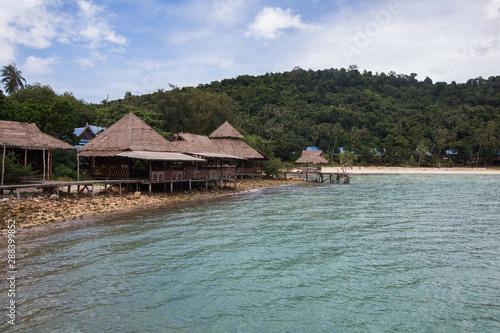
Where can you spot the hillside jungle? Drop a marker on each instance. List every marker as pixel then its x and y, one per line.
pixel 356 117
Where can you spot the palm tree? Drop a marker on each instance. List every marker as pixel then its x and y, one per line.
pixel 12 79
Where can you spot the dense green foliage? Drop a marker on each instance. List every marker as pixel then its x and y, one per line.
pixel 413 122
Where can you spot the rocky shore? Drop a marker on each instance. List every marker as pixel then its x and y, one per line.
pixel 36 210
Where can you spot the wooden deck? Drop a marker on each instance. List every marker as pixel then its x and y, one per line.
pixel 157 177
pixel 317 175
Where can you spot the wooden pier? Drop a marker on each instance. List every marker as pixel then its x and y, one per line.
pixel 183 177
pixel 339 177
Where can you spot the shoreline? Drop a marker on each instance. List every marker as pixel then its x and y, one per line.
pixel 38 211
pixel 414 171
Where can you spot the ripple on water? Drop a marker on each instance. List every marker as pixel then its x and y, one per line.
pixel 386 253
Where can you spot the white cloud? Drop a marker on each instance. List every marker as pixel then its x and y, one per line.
pixel 271 22
pixel 493 10
pixel 35 66
pixel 93 29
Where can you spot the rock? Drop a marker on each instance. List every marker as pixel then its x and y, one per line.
pixel 137 194
pixel 54 197
pixel 4 200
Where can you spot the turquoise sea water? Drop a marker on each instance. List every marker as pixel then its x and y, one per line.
pixel 391 253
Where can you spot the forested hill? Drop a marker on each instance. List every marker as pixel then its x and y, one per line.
pixel 362 111
pixel 409 120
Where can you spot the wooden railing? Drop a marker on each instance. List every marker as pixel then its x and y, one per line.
pixel 162 175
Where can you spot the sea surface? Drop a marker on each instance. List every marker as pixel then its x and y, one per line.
pixel 386 253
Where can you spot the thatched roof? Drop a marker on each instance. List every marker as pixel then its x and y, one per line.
pixel 128 134
pixel 14 134
pixel 194 143
pixel 312 156
pixel 200 145
pixel 238 148
pixel 226 130
pixel 227 139
pixel 159 156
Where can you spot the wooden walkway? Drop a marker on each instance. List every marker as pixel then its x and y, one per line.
pixel 90 185
pixel 320 176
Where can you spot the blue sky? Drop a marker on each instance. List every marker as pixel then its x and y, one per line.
pixel 96 48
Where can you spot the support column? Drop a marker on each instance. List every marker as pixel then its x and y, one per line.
pixel 3 164
pixel 44 167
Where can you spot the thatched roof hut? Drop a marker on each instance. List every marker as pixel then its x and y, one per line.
pixel 200 145
pixel 128 134
pixel 14 134
pixel 194 143
pixel 226 130
pixel 229 140
pixel 32 144
pixel 312 156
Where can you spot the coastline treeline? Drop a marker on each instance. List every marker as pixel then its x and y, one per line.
pixel 394 119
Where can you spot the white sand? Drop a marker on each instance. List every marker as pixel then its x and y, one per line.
pixel 422 170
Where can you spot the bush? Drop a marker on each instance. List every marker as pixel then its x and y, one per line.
pixel 15 171
pixel 273 167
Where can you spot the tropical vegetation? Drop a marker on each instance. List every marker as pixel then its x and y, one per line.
pixel 361 117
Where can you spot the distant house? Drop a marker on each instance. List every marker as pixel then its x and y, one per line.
pixel 230 141
pixel 312 156
pixel 31 145
pixel 87 133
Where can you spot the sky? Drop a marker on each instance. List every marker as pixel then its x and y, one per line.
pixel 96 49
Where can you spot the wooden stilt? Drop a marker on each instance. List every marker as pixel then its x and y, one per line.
pixel 18 194
pixel 43 158
pixel 93 190
pixel 3 164
pixel 189 179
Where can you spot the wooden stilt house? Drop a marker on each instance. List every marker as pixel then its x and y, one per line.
pixel 230 141
pixel 31 145
pixel 314 157
pixel 218 164
pixel 131 149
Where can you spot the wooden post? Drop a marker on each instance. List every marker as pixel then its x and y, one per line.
pixel 69 189
pixel 77 164
pixel 189 179
pixel 25 161
pixel 171 185
pixel 120 184
pixel 49 164
pixel 18 193
pixel 3 163
pixel 93 192
pixel 44 167
pixel 150 178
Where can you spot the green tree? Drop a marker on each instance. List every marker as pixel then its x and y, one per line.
pixel 12 79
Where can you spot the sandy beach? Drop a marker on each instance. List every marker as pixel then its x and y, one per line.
pixel 422 170
pixel 37 209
